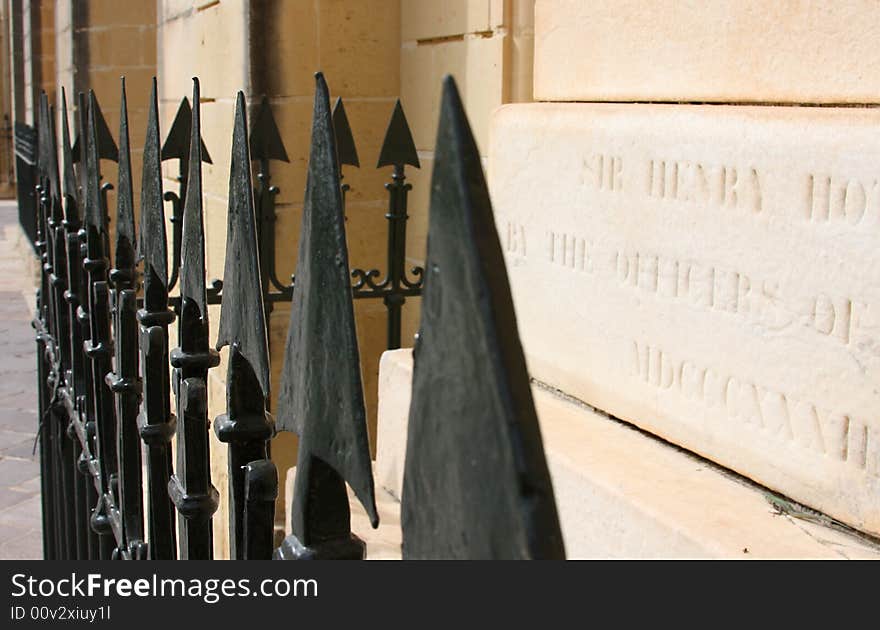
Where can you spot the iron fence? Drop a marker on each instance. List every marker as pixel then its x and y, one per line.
pixel 106 372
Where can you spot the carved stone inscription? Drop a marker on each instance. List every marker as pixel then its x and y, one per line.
pixel 711 274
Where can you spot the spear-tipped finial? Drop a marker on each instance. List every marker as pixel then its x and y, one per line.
pixel 321 395
pixel 242 319
pixel 94 203
pixel 52 155
pixel 125 237
pixel 476 483
pixel 107 149
pixel 177 143
pixel 68 179
pixel 192 265
pixel 265 139
pixel 345 147
pixel 152 247
pixel 398 148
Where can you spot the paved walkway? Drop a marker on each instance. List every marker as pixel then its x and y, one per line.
pixel 20 529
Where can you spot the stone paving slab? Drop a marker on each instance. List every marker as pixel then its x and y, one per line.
pixel 20 508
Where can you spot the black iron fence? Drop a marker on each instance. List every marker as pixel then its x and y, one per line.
pixel 25 141
pixel 107 373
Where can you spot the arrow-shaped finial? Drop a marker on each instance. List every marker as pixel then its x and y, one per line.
pixel 107 149
pixel 242 319
pixel 398 147
pixel 265 139
pixel 52 149
pixel 345 148
pixel 177 143
pixel 68 180
pixel 152 247
pixel 476 483
pixel 125 237
pixel 321 395
pixel 94 203
pixel 192 262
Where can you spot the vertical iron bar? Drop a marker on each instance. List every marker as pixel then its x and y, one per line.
pixel 156 422
pixel 194 496
pixel 260 492
pixel 99 345
pixel 246 426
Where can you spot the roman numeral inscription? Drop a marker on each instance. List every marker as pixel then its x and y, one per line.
pixel 710 274
pixel 773 414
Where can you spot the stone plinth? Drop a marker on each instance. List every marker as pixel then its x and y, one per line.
pixel 724 51
pixel 709 273
pixel 624 494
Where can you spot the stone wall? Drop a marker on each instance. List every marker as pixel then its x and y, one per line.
pixel 706 272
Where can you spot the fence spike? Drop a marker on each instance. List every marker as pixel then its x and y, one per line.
pixel 124 274
pixel 190 488
pixel 321 395
pixel 246 426
pixel 177 142
pixel 398 148
pixel 242 320
pixel 476 483
pixel 192 271
pixel 107 149
pixel 345 147
pixel 68 179
pixel 265 139
pixel 152 247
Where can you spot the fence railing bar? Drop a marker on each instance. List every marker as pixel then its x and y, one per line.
pixel 246 426
pixel 156 423
pixel 99 345
pixel 124 381
pixel 321 396
pixel 194 496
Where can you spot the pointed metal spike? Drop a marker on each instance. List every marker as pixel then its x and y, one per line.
pixel 192 260
pixel 266 143
pixel 242 318
pixel 321 395
pixel 107 149
pixel 176 145
pixel 94 204
pixel 68 180
pixel 152 247
pixel 476 483
pixel 52 153
pixel 125 236
pixel 42 135
pixel 345 147
pixel 398 147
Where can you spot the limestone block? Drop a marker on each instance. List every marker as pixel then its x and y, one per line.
pixel 291 46
pixel 213 41
pixel 624 494
pixel 710 274
pixel 428 19
pixel 728 51
pixel 358 47
pixel 477 64
pixel 115 13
